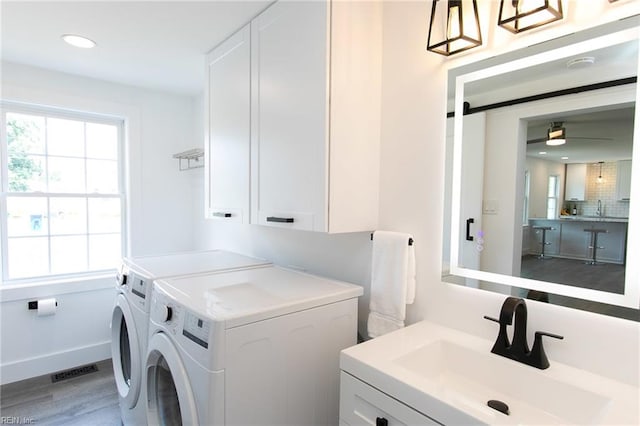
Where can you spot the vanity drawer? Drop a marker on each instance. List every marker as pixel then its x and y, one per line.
pixel 361 404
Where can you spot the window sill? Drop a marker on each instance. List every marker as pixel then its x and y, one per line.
pixel 25 289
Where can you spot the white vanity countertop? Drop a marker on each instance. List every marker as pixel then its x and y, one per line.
pixel 382 363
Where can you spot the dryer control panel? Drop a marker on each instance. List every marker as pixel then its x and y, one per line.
pixel 138 285
pixel 196 329
pixel 139 288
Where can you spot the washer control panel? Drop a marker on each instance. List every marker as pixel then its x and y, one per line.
pixel 138 285
pixel 196 329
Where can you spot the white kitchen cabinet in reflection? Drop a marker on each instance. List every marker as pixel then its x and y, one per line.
pixel 576 182
pixel 623 181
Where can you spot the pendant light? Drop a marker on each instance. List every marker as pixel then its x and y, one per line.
pixel 521 15
pixel 556 134
pixel 454 27
pixel 600 180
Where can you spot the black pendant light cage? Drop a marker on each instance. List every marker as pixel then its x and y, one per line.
pixel 528 19
pixel 458 16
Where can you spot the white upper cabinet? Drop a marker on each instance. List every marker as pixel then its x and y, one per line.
pixel 227 129
pixel 315 115
pixel 576 182
pixel 623 180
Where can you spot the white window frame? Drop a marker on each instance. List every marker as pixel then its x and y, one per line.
pixel 555 196
pixel 53 112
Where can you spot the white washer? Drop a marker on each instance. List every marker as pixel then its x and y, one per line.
pixel 258 346
pixel 130 318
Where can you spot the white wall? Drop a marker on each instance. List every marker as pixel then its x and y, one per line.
pixel 412 176
pixel 79 333
pixel 160 205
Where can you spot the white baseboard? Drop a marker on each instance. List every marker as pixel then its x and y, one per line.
pixel 51 363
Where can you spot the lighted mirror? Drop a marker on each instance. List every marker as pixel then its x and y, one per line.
pixel 541 196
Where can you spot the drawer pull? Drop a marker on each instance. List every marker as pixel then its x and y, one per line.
pixel 381 421
pixel 221 214
pixel 280 219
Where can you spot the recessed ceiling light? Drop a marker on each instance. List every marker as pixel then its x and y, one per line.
pixel 78 41
pixel 542 152
pixel 564 158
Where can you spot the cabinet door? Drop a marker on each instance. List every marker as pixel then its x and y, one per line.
pixel 289 116
pixel 361 404
pixel 227 129
pixel 576 182
pixel 574 243
pixel 623 180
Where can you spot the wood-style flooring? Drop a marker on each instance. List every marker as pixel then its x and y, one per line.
pixel 88 400
pixel 604 277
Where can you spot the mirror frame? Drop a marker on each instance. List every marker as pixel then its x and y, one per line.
pixel 615 33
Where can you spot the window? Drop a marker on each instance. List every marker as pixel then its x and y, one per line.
pixel 552 196
pixel 62 198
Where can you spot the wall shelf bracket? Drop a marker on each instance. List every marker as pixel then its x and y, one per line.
pixel 191 159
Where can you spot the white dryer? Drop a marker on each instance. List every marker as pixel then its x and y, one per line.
pixel 257 346
pixel 130 318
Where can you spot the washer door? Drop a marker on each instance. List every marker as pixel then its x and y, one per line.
pixel 125 352
pixel 170 399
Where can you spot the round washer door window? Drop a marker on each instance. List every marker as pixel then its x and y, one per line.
pixel 166 396
pixel 170 400
pixel 125 352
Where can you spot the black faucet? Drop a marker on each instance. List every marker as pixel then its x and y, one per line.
pixel 518 349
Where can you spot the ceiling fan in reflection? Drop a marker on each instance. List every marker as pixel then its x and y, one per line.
pixel 557 135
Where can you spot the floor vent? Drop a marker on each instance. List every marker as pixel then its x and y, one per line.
pixel 74 372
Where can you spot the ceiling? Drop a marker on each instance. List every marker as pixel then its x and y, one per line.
pixel 605 135
pixel 153 44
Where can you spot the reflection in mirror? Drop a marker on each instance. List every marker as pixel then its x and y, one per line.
pixel 576 200
pixel 540 218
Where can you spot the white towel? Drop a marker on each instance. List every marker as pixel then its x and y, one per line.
pixel 393 282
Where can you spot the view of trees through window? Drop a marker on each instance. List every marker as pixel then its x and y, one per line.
pixel 21 168
pixel 62 203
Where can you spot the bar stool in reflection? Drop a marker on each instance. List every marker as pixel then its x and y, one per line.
pixel 594 244
pixel 544 242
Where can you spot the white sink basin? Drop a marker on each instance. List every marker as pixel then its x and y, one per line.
pixel 470 379
pixel 450 376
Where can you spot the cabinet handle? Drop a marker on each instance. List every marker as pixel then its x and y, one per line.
pixel 280 219
pixel 221 214
pixel 381 421
pixel 469 222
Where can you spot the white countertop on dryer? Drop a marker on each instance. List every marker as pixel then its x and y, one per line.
pixel 189 263
pixel 245 296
